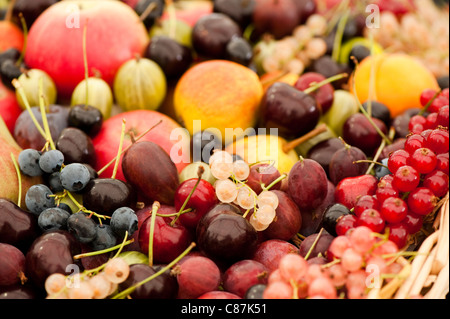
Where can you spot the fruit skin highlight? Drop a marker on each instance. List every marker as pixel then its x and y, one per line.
pixel 399 81
pixel 221 94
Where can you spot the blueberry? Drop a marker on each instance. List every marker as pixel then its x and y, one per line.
pixel 51 161
pixel 53 219
pixel 105 238
pixel 74 177
pixel 124 219
pixel 65 207
pixel 29 162
pixel 38 198
pixel 54 182
pixel 381 171
pixel 82 227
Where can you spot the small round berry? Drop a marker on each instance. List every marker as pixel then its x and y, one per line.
pixel 423 160
pixel 28 161
pixel 398 234
pixel 51 161
pixel 394 210
pixel 398 159
pixel 345 223
pixel 437 182
pixel 422 201
pixel 406 179
pixel 371 218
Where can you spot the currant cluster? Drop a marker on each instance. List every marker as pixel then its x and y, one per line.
pixel 417 176
pixel 231 187
pixel 56 203
pixel 97 283
pixel 357 262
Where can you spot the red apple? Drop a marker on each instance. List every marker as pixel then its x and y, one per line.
pixel 106 142
pixel 11 36
pixel 190 11
pixel 9 108
pixel 114 35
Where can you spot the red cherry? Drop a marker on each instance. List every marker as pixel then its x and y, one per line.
pixel 398 159
pixel 437 182
pixel 345 223
pixel 398 234
pixel 423 160
pixel 406 179
pixel 365 202
pixel 202 200
pixel 350 189
pixel 394 210
pixel 422 201
pixel 371 218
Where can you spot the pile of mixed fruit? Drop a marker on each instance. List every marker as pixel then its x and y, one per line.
pixel 120 178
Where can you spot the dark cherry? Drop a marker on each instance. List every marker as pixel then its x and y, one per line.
pixel 18 291
pixel 332 215
pixel 343 163
pixel 326 66
pixel 359 132
pixel 31 10
pixel 17 226
pixel 226 236
pixel 211 34
pixel 158 9
pixel 76 146
pixel 401 122
pixel 321 245
pixel 173 57
pixel 203 144
pixel 162 287
pixel 105 195
pixel 41 259
pixel 87 118
pixel 10 54
pixel 306 8
pixel 358 52
pixel 293 112
pixel 243 275
pixel 443 82
pixel 240 11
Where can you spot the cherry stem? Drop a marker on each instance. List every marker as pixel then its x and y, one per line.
pixel 279 179
pixel 19 177
pixel 315 86
pixel 172 18
pixel 372 91
pixel 332 263
pixel 25 39
pixel 86 70
pixel 275 79
pixel 175 214
pixel 126 149
pixel 155 207
pixel 314 244
pixel 48 134
pixel 83 209
pixel 129 290
pixel 425 108
pixel 9 12
pixel 370 161
pixel 150 8
pixel 293 144
pixel 200 172
pixel 122 135
pixel 339 35
pixel 107 250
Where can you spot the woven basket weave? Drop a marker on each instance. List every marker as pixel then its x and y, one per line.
pixel 427 276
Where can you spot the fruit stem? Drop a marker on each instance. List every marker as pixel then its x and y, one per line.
pixel 293 144
pixel 172 18
pixel 83 209
pixel 425 108
pixel 200 172
pixel 9 12
pixel 152 6
pixel 21 92
pixel 370 161
pixel 103 251
pixel 126 149
pixel 25 39
pixel 86 70
pixel 19 177
pixel 339 35
pixel 175 214
pixel 279 179
pixel 122 135
pixel 316 86
pixel 314 244
pixel 155 207
pixel 129 290
pixel 331 263
pixel 48 134
pixel 294 288
pixel 372 91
